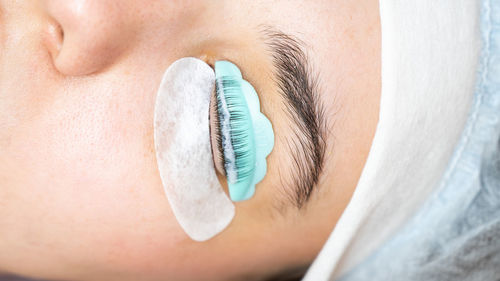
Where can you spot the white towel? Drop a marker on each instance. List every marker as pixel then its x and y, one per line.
pixel 430 51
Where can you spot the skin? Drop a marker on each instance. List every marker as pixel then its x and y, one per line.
pixel 80 193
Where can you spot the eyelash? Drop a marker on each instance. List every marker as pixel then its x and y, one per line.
pixel 231 158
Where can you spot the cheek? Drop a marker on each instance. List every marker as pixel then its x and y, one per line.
pixel 82 177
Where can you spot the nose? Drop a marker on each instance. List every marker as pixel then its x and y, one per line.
pixel 87 36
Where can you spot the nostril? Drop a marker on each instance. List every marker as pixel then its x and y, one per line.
pixel 53 37
pixel 85 37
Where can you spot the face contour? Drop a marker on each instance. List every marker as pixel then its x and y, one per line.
pixel 80 193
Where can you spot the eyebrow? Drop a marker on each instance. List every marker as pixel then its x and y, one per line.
pixel 298 85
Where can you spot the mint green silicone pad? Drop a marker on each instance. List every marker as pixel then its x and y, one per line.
pixel 260 131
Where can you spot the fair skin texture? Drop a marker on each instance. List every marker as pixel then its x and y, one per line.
pixel 80 193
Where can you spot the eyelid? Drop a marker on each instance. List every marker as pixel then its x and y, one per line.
pixel 217 152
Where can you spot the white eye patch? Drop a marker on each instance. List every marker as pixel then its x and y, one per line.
pixel 183 150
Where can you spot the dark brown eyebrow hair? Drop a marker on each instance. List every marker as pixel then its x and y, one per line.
pixel 298 85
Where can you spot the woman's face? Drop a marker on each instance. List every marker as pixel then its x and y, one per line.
pixel 80 193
